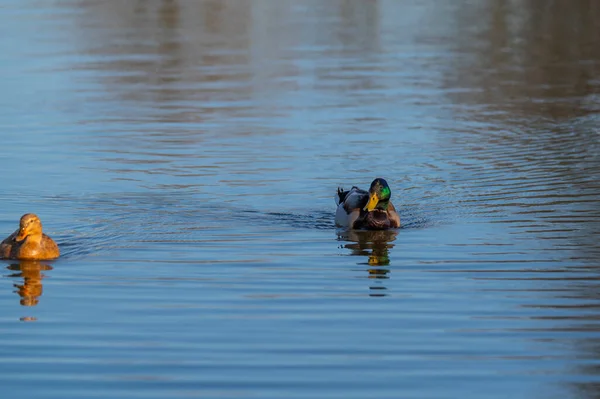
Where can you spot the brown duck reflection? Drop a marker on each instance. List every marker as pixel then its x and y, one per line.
pixel 375 246
pixel 31 272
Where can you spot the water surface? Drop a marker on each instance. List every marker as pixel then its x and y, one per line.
pixel 185 154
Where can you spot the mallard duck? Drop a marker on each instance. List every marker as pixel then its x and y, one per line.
pixel 372 210
pixel 28 242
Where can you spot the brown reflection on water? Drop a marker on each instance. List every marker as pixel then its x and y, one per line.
pixel 31 272
pixel 171 55
pixel 527 84
pixel 375 247
pixel 192 60
pixel 533 57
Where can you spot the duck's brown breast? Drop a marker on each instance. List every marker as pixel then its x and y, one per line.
pixel 377 220
pixel 28 249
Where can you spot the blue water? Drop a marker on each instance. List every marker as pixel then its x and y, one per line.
pixel 185 155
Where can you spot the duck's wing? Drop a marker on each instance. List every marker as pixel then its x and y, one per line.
pixel 11 238
pixel 350 204
pixel 355 198
pixel 49 247
pixel 7 245
pixel 341 195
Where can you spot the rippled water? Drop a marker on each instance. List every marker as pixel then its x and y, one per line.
pixel 185 155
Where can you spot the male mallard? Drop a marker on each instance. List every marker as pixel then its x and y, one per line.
pixel 28 242
pixel 373 210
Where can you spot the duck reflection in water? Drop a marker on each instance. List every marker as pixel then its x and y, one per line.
pixel 31 272
pixel 375 246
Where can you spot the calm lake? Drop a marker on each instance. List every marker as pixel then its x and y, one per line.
pixel 185 154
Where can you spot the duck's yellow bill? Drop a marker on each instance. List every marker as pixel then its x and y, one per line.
pixel 373 200
pixel 21 236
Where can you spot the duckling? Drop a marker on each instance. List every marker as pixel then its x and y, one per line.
pixel 28 242
pixel 371 210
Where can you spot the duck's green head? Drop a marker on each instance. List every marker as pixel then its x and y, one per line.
pixel 379 195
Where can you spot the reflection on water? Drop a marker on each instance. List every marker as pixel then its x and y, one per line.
pixel 31 273
pixel 536 59
pixel 375 247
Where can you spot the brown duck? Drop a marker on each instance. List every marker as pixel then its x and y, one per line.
pixel 28 242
